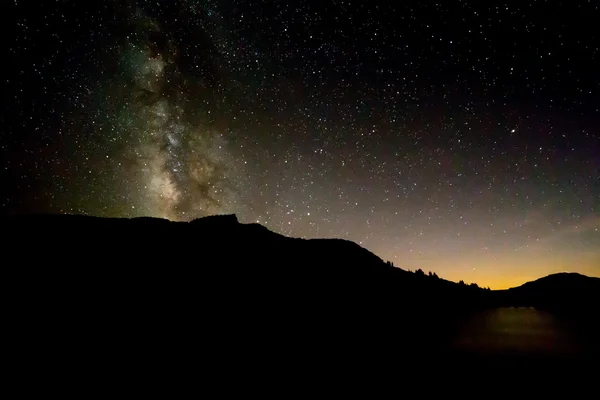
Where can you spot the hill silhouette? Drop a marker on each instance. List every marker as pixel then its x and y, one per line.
pixel 568 292
pixel 235 293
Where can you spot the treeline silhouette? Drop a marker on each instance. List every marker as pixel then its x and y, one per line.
pixel 420 272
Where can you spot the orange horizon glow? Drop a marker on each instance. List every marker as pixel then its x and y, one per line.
pixel 503 262
pixel 507 272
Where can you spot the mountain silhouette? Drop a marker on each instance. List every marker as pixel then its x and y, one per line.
pixel 150 291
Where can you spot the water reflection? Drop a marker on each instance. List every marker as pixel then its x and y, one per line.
pixel 516 329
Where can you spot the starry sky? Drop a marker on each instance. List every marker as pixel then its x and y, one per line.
pixel 459 137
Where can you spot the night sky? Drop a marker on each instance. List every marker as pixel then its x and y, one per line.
pixel 459 137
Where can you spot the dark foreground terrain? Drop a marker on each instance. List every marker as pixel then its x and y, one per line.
pixel 95 304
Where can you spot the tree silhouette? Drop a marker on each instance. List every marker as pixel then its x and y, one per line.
pixel 433 275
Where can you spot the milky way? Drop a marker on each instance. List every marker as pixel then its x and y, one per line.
pixel 457 137
pixel 180 165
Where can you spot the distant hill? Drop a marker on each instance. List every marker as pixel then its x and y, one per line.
pixel 560 281
pixel 561 292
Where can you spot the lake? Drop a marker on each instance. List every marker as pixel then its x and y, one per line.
pixel 517 330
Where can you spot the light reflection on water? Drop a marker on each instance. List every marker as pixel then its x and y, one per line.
pixel 516 329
